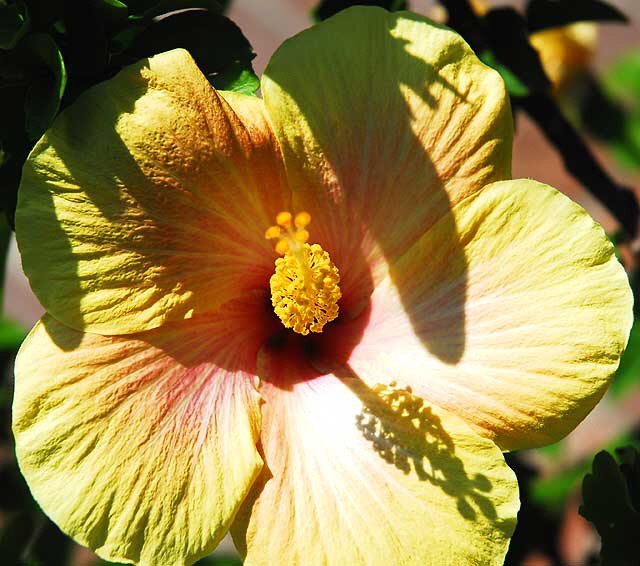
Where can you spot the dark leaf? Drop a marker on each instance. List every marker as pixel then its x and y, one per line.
pixel 50 547
pixel 45 92
pixel 136 6
pixel 113 12
pixel 43 13
pixel 607 504
pixel 15 536
pixel 542 14
pixel 144 16
pixel 33 79
pixel 158 8
pixel 219 560
pixel 10 173
pixel 14 23
pixel 15 496
pixel 328 8
pixel 630 468
pixel 126 37
pixel 15 76
pixel 217 45
pixel 508 39
pixel 87 47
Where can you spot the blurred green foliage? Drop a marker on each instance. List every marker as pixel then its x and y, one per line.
pixel 553 490
pixel 622 83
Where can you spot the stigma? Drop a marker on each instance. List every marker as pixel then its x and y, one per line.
pixel 304 287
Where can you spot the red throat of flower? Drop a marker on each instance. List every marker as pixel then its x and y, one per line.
pixel 304 287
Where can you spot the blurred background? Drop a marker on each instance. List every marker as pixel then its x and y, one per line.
pixel 602 60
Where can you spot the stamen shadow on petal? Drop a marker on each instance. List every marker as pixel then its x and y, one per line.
pixel 406 433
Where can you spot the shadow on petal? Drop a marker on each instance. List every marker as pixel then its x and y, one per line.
pixel 366 144
pixel 404 431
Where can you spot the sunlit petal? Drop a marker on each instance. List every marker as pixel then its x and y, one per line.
pixel 364 476
pixel 516 325
pixel 147 200
pixel 141 447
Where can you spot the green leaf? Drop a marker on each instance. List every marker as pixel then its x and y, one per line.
pixel 607 504
pixel 217 45
pixel 45 92
pixel 621 83
pixel 327 8
pixel 12 335
pixel 627 150
pixel 542 14
pixel 622 79
pixel 236 78
pixel 14 23
pixel 609 108
pixel 630 468
pixel 551 490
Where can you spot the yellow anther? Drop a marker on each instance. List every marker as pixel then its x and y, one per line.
pixel 282 247
pixel 273 232
pixel 304 288
pixel 290 238
pixel 302 219
pixel 283 219
pixel 301 236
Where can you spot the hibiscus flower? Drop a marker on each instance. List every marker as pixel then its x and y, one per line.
pixel 431 313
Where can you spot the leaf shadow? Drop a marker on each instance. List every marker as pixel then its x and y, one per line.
pixel 376 160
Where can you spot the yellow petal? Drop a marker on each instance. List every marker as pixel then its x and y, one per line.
pixel 140 447
pixel 148 199
pixel 370 477
pixel 517 325
pixel 385 121
pixel 565 51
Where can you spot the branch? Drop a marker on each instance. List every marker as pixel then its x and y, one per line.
pixel 580 161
